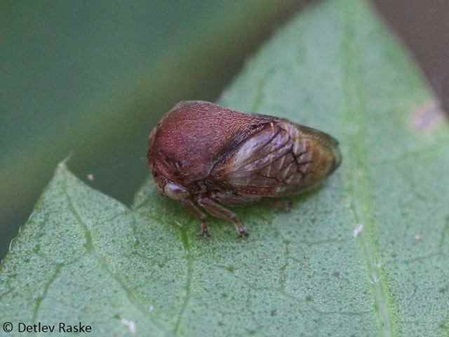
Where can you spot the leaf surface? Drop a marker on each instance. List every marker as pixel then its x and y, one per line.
pixel 364 255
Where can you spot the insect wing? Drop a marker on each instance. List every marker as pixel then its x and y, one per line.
pixel 269 163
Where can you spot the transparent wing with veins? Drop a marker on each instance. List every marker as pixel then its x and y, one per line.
pixel 273 162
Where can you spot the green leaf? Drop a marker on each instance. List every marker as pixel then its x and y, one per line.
pixel 365 255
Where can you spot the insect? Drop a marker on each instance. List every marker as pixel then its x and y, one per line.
pixel 208 157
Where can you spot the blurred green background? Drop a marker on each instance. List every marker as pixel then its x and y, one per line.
pixel 90 79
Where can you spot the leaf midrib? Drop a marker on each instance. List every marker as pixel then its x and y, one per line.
pixel 359 185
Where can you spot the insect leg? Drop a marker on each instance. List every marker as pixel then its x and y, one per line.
pixel 221 212
pixel 199 214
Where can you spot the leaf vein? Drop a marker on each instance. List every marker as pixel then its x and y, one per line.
pixel 39 300
pixel 102 262
pixel 359 187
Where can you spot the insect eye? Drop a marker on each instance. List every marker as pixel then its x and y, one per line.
pixel 175 191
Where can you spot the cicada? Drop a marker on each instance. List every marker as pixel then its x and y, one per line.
pixel 209 157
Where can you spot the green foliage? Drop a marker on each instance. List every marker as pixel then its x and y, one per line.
pixel 365 255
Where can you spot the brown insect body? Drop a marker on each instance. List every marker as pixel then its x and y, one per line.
pixel 207 156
